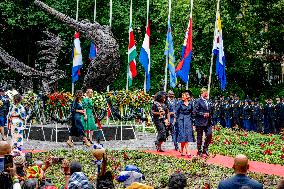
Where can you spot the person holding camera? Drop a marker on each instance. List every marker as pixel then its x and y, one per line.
pixel 161 118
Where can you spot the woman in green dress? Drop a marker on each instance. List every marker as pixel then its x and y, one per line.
pixel 89 123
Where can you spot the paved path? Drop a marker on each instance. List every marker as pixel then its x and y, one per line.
pixel 143 142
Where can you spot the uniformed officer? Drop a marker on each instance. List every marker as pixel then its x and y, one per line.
pixel 228 112
pixel 278 108
pixel 246 115
pixel 216 109
pixel 236 112
pixel 172 102
pixel 269 116
pixel 257 117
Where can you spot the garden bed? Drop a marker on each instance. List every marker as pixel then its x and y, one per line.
pixel 256 146
pixel 156 169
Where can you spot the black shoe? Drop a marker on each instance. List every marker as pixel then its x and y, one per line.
pixel 206 152
pixel 176 148
pixel 199 152
pixel 160 150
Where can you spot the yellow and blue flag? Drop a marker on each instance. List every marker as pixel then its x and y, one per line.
pixel 169 52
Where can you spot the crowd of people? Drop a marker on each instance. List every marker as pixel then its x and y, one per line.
pixel 248 114
pixel 28 173
pixel 180 117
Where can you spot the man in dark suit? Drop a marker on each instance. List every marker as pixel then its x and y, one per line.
pixel 203 122
pixel 240 179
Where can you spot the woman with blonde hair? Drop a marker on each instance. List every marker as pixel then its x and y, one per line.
pixel 89 123
pixel 77 128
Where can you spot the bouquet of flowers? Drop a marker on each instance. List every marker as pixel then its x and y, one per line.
pixel 59 105
pixel 99 100
pixel 29 99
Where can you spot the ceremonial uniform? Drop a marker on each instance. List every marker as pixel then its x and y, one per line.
pixel 246 115
pixel 228 113
pixel 257 118
pixel 216 109
pixel 269 116
pixel 236 113
pixel 172 103
pixel 4 109
pixel 279 114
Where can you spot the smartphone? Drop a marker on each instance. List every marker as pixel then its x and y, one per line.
pixel 29 158
pixel 57 160
pixel 1 164
pixel 8 162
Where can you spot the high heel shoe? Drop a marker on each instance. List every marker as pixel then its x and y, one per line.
pixel 87 143
pixel 70 143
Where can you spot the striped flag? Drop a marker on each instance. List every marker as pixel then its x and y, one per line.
pixel 93 51
pixel 77 58
pixel 169 52
pixel 218 50
pixel 183 68
pixel 132 53
pixel 144 56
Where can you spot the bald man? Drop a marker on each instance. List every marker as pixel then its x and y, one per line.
pixel 240 180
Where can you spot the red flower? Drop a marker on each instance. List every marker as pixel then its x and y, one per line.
pixel 125 156
pixel 282 156
pixel 262 145
pixel 227 142
pixel 283 150
pixel 267 152
pixel 271 142
pixel 246 134
pixel 52 98
pixel 244 143
pixel 217 128
pixel 283 138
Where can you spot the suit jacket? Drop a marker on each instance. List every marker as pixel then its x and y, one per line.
pixel 200 108
pixel 238 181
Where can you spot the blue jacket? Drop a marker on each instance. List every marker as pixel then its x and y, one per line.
pixel 200 108
pixel 238 181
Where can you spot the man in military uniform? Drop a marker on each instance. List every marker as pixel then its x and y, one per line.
pixel 278 108
pixel 246 115
pixel 216 109
pixel 236 112
pixel 228 112
pixel 172 102
pixel 203 122
pixel 269 116
pixel 257 117
pixel 4 108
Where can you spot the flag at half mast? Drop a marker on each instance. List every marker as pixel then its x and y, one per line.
pixel 218 50
pixel 183 68
pixel 77 58
pixel 169 52
pixel 144 56
pixel 132 53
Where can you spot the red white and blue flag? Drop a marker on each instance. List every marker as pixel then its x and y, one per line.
pixel 144 56
pixel 218 50
pixel 77 58
pixel 183 68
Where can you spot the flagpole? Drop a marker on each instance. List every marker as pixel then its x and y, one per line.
pixel 212 56
pixel 190 16
pixel 95 10
pixel 110 20
pixel 130 25
pixel 145 79
pixel 77 15
pixel 167 57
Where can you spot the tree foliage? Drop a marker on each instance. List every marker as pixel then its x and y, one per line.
pixel 248 26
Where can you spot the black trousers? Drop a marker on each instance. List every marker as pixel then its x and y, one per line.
pixel 208 136
pixel 161 129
